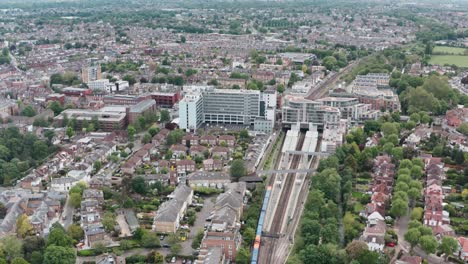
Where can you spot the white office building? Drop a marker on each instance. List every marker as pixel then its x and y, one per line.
pixel 191 111
pixel 98 85
pixel 226 106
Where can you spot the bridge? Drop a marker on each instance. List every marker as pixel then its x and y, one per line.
pixel 264 172
pixel 309 153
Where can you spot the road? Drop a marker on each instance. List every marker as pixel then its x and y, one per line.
pixel 199 225
pixel 68 213
pixel 401 227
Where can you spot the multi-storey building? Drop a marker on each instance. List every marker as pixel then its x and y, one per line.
pixel 298 109
pixel 91 72
pixel 229 106
pixel 373 89
pixel 108 120
pixel 191 111
pixel 350 108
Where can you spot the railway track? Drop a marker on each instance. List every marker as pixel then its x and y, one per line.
pixel 268 243
pixel 323 87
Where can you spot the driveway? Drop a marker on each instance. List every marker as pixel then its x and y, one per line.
pixel 124 228
pixel 199 224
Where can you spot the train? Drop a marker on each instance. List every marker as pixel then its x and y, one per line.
pixel 261 220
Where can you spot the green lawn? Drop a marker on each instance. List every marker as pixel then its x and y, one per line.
pixel 460 61
pixel 448 50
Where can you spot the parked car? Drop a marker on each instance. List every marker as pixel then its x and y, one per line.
pixel 173 260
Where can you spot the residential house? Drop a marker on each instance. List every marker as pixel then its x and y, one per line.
pixel 229 242
pixel 208 140
pixel 462 248
pixel 190 140
pixel 63 184
pixel 222 152
pixel 94 234
pixel 212 165
pixel 93 194
pixel 212 255
pixel 179 151
pixel 208 179
pixel 374 235
pixel 197 151
pixel 229 140
pixel 169 214
pixel 407 259
pixel 185 166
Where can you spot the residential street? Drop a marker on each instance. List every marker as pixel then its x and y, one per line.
pixel 401 227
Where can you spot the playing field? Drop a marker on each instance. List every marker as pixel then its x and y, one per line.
pixel 460 61
pixel 448 50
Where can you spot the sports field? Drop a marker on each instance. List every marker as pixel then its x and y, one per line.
pixel 448 50
pixel 460 61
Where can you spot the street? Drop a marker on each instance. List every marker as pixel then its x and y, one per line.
pixel 199 225
pixel 67 213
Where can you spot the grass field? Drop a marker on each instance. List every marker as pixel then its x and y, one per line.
pixel 460 61
pixel 448 50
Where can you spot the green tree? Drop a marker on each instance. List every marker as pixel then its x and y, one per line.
pixel 244 134
pixel 57 236
pixel 130 79
pixel 23 226
pixel 328 181
pixel 36 257
pixel 428 243
pixel 280 88
pixel 28 111
pixel 56 108
pixel 19 260
pixel 165 116
pixel 389 128
pixel 75 232
pixel 248 236
pixel 150 240
pixel 39 150
pixel 463 128
pixel 70 133
pixel 75 200
pixel 153 131
pixel 176 248
pixel 146 139
pixel 11 246
pixel 412 237
pixel 237 169
pixel 399 207
pixel 59 255
pixel 139 185
pixel 417 213
pixel 131 131
pixel 243 256
pixel 356 248
pixel 320 254
pixel 108 221
pixel 448 246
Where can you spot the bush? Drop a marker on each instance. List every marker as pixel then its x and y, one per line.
pixel 206 191
pixel 86 253
pixel 135 259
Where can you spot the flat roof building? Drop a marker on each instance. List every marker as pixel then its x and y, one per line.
pixel 298 109
pixel 108 120
pixel 227 106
